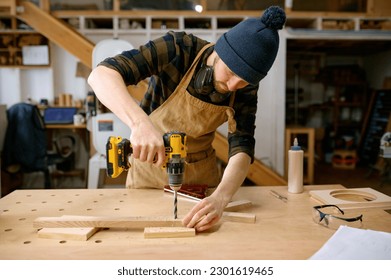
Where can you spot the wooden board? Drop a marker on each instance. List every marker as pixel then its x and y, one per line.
pixel 81 234
pixel 105 222
pixel 353 198
pixel 168 232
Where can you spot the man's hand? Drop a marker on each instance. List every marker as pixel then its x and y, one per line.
pixel 147 143
pixel 205 214
pixel 209 211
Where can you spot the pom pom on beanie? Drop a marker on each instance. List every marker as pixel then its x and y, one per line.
pixel 250 48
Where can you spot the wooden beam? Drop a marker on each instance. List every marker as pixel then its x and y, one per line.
pixel 9 4
pixel 57 31
pixel 116 5
pixel 45 5
pixel 168 232
pixel 105 222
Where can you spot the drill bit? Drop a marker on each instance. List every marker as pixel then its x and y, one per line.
pixel 175 204
pixel 175 188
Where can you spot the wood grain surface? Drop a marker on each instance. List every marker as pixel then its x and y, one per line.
pixel 281 230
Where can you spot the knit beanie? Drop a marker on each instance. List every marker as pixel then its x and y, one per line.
pixel 250 48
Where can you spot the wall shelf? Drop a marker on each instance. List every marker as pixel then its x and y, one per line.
pixel 14 36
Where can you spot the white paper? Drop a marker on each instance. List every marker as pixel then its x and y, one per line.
pixel 35 55
pixel 356 244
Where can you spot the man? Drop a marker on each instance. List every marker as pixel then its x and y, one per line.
pixel 194 87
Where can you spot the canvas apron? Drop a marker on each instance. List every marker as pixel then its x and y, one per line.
pixel 199 120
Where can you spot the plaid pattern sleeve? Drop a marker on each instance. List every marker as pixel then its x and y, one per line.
pixel 165 61
pixel 245 107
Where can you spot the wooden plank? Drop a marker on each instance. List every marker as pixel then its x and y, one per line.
pixel 238 205
pixel 353 198
pixel 239 217
pixel 168 232
pixel 11 4
pixel 81 234
pixel 105 222
pixel 378 7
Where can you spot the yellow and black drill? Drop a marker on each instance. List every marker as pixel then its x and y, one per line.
pixel 118 150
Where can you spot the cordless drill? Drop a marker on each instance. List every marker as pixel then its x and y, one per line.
pixel 118 150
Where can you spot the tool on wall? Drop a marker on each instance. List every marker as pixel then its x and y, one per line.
pixel 118 150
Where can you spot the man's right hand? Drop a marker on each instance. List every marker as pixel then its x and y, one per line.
pixel 147 143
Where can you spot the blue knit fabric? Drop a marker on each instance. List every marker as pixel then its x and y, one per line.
pixel 250 48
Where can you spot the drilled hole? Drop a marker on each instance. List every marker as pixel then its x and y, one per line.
pixel 116 209
pixel 43 202
pixel 62 241
pixel 18 202
pixel 61 209
pixel 88 209
pixel 22 219
pixel 98 241
pixel 33 210
pixel 69 201
pixel 26 242
pixel 8 229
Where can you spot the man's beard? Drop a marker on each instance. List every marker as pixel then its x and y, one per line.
pixel 220 87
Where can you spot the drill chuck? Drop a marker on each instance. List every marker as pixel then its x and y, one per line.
pixel 175 143
pixel 175 171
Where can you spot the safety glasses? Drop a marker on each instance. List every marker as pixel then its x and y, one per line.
pixel 333 221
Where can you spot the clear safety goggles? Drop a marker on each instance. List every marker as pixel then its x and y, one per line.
pixel 333 221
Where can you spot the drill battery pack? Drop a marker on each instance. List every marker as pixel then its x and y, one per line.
pixel 117 152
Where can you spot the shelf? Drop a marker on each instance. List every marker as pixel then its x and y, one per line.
pixel 165 23
pixel 316 21
pixel 14 42
pixel 228 22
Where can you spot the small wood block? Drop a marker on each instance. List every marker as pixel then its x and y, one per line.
pixel 81 234
pixel 238 205
pixel 239 217
pixel 168 232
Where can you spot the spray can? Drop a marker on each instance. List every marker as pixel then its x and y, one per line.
pixel 295 168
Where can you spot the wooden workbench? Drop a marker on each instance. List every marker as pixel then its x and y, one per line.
pixel 282 230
